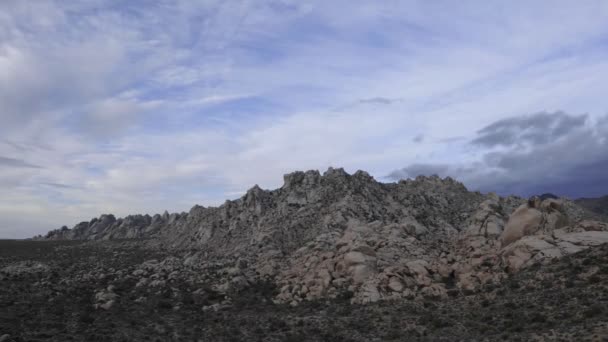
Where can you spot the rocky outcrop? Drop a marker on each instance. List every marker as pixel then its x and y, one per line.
pixel 534 217
pixel 558 243
pixel 335 234
pixel 372 261
pixel 107 227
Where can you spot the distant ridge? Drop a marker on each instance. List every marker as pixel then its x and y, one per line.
pixel 597 205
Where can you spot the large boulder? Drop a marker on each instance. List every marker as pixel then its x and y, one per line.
pixel 488 221
pixel 361 264
pixel 533 217
pixel 561 242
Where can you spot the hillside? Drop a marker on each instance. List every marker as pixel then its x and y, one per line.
pixel 597 205
pixel 319 236
pixel 422 258
pixel 56 292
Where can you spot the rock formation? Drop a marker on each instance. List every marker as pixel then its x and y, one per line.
pixel 331 235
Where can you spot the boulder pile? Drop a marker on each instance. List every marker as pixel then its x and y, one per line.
pixel 336 235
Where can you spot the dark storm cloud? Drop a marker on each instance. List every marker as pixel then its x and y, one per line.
pixel 414 170
pixel 559 153
pixel 16 163
pixel 538 128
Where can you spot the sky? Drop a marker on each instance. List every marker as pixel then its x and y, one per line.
pixel 139 106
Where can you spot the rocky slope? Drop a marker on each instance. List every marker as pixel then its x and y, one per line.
pixel 597 205
pixel 129 291
pixel 331 257
pixel 331 235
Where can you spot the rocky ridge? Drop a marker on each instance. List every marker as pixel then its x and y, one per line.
pixel 336 235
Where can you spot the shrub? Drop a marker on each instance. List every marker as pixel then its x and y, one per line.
pixel 593 310
pixel 164 304
pixel 538 318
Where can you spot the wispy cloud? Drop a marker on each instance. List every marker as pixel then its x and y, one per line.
pixel 12 162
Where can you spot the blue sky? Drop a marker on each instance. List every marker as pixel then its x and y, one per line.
pixel 142 106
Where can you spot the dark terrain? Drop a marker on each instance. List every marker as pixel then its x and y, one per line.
pixel 597 205
pixel 566 300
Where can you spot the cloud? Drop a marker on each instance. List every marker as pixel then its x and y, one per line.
pixel 114 116
pixel 57 185
pixel 18 163
pixel 543 152
pixel 414 170
pixel 537 128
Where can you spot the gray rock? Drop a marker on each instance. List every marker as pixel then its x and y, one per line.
pixel 320 234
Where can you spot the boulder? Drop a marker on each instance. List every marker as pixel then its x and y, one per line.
pixel 561 242
pixel 488 220
pixel 395 284
pixel 360 264
pixel 528 249
pixel 524 221
pixel 435 291
pixel 534 217
pixel 368 294
pixel 105 299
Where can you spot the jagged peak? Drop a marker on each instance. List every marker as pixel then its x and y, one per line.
pixel 110 217
pixel 312 177
pixel 301 188
pixel 255 190
pixel 335 172
pixel 360 174
pixel 296 178
pixel 196 208
pixel 254 194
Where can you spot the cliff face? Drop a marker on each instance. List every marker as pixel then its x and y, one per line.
pixel 320 236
